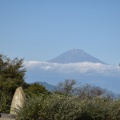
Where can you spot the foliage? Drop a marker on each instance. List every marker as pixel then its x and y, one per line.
pixel 70 103
pixel 90 92
pixel 35 89
pixel 11 76
pixel 63 107
pixel 49 107
pixel 66 87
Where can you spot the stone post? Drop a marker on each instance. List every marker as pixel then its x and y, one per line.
pixel 18 100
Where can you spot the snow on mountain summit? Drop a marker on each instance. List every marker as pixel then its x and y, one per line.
pixel 75 56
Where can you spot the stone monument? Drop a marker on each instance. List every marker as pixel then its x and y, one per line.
pixel 18 100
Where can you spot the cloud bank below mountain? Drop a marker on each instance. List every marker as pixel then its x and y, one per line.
pixel 82 67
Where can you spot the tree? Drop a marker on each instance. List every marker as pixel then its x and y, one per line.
pixel 66 87
pixel 88 91
pixel 91 92
pixel 11 76
pixel 35 89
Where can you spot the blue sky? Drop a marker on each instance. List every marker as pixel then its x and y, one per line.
pixel 42 29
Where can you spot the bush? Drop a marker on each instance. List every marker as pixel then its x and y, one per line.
pixel 95 109
pixel 64 107
pixel 35 89
pixel 50 107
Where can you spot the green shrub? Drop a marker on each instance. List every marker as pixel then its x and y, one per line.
pixel 95 109
pixel 114 110
pixel 64 107
pixel 50 107
pixel 35 89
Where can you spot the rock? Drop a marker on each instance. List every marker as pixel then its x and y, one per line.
pixel 4 116
pixel 6 119
pixel 18 100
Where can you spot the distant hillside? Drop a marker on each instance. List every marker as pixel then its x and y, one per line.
pixel 74 56
pixel 49 87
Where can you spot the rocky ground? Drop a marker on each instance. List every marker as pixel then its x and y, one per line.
pixel 4 116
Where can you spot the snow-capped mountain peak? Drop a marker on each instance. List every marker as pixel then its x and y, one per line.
pixel 75 56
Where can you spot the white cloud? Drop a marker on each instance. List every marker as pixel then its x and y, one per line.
pixel 84 67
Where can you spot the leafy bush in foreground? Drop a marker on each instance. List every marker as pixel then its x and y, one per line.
pixel 63 107
pixel 50 107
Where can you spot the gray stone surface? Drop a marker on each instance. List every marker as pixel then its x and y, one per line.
pixel 6 119
pixel 4 115
pixel 18 100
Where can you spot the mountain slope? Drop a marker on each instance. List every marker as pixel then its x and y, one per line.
pixel 74 56
pixel 49 87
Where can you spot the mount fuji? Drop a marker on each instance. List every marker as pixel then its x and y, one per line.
pixel 74 64
pixel 75 56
